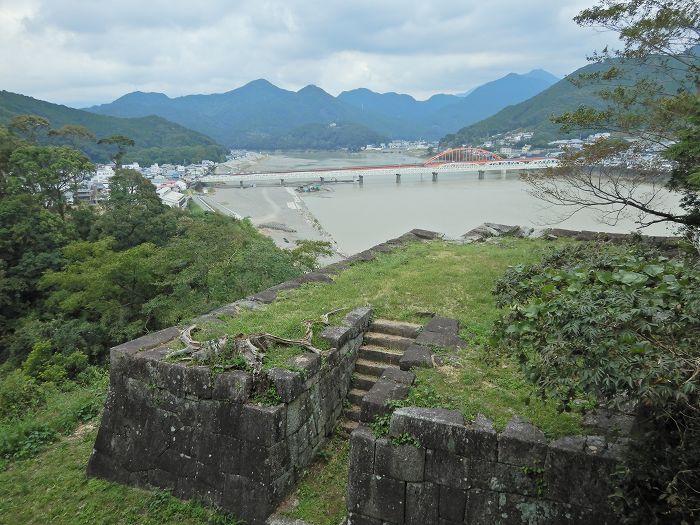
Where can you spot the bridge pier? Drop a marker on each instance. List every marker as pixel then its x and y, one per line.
pixel 321 180
pixel 398 178
pixel 481 174
pixel 503 174
pixel 241 183
pixel 362 179
pixel 435 176
pixel 281 182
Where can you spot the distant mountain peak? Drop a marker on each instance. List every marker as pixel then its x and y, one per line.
pixel 144 95
pixel 542 75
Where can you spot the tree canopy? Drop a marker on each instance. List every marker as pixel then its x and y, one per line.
pixel 657 114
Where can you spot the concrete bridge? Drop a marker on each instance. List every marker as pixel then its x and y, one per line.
pixel 453 160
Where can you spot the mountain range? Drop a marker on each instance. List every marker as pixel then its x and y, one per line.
pixel 258 114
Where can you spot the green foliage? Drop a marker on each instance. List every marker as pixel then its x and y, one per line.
pixel 134 214
pixel 269 398
pixel 118 145
pixel 49 412
pixel 405 439
pixel 306 253
pixel 49 172
pixel 621 325
pixel 380 425
pixel 18 394
pixel 156 139
pixel 30 127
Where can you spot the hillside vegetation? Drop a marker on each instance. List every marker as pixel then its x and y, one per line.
pixel 156 139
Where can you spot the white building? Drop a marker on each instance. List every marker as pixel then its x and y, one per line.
pixel 172 198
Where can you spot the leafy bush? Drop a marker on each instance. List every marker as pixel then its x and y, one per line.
pixel 620 325
pixel 19 393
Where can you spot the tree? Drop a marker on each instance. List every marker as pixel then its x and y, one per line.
pixel 134 213
pixel 30 127
pixel 650 93
pixel 103 287
pixel 119 145
pixel 50 172
pixel 8 144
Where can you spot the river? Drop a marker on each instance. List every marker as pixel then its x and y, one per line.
pixel 360 216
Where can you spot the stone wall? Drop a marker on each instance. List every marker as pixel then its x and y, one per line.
pixel 447 472
pixel 202 436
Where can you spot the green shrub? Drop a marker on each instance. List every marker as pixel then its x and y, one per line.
pixel 620 325
pixel 45 365
pixel 18 394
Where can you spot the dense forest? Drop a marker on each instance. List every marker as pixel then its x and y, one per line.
pixel 76 280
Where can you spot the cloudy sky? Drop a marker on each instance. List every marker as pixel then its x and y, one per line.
pixel 82 52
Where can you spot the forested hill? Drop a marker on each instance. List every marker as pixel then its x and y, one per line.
pixel 156 139
pixel 535 113
pixel 262 115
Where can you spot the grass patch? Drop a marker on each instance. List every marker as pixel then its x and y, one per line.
pixel 319 499
pixel 495 388
pixel 65 407
pixel 448 279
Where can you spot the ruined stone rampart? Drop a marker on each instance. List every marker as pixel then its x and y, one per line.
pixel 433 468
pixel 202 435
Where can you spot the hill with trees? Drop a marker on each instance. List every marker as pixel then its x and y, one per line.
pixel 155 138
pixel 536 113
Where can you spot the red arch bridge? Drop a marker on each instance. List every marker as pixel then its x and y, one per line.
pixel 454 160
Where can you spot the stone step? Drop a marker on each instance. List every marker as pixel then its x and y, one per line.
pixel 352 413
pixel 371 368
pixel 385 326
pixel 381 354
pixel 348 426
pixel 355 396
pixel 387 341
pixel 362 381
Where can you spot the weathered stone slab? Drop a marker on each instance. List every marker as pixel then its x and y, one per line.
pixel 377 497
pixel 264 425
pixel 421 504
pixel 452 503
pixel 146 342
pixel 403 462
pixel 289 385
pixel 434 428
pixel 425 234
pixel 477 440
pixel 398 376
pixel 374 402
pixel 440 339
pixel 447 468
pixel 234 386
pixel 362 444
pixel 416 356
pixel 521 443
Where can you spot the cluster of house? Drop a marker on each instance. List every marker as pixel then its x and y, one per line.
pixel 400 144
pixel 514 144
pixel 171 181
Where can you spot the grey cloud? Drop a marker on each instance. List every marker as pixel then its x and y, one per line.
pixel 89 51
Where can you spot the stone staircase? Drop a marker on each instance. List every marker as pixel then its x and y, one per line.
pixel 383 346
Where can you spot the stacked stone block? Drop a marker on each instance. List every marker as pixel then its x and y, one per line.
pixel 201 435
pixel 469 473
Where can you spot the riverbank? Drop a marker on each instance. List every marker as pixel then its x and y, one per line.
pixel 276 211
